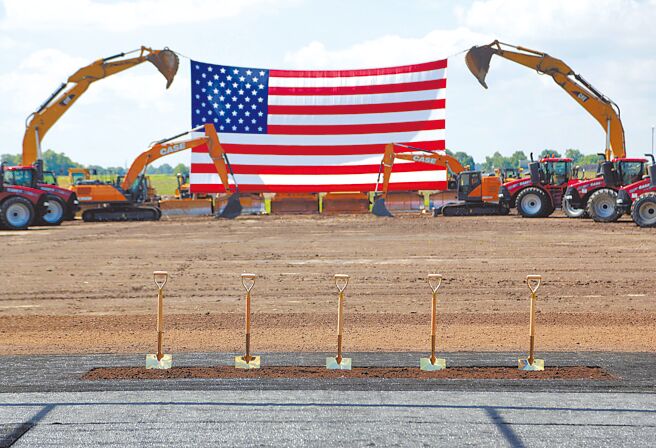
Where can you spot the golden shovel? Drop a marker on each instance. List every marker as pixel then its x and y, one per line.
pixel 159 360
pixel 433 363
pixel 530 363
pixel 339 363
pixel 247 361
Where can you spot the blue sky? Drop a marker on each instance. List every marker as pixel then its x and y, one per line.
pixel 609 42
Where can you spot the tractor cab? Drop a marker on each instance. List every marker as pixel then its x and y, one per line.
pixel 623 171
pixel 552 171
pixel 23 176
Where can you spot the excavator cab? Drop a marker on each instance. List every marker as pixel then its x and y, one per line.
pixel 475 187
pixel 469 183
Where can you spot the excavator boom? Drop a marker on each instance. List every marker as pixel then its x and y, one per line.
pixel 40 122
pixel 170 146
pixel 419 155
pixel 602 108
pixel 124 201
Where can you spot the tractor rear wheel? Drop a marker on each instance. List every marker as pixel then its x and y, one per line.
pixel 643 210
pixel 534 203
pixel 602 206
pixel 16 213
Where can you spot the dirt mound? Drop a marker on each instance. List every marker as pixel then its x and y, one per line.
pixel 453 373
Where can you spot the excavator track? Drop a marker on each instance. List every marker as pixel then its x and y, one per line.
pixel 122 213
pixel 474 209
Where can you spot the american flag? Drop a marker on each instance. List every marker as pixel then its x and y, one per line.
pixel 318 131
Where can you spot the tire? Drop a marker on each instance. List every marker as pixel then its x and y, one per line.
pixel 602 206
pixel 54 214
pixel 534 203
pixel 572 212
pixel 16 213
pixel 643 210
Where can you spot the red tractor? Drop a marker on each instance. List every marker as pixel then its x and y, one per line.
pixel 20 206
pixel 540 194
pixel 639 198
pixel 596 197
pixel 62 202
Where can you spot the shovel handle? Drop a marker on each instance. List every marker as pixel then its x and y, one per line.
pixel 160 278
pixel 434 281
pixel 248 281
pixel 341 281
pixel 533 282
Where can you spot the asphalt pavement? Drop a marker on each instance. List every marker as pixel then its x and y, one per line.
pixel 43 402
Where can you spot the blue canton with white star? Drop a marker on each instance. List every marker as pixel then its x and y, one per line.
pixel 235 99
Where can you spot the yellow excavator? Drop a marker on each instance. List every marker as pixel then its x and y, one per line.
pixel 125 199
pixel 477 193
pixel 60 101
pixel 62 204
pixel 593 197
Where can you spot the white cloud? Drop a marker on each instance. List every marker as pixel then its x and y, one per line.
pixel 124 15
pixel 387 50
pixel 566 20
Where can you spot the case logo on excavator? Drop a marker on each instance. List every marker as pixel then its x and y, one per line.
pixel 423 159
pixel 171 149
pixel 580 96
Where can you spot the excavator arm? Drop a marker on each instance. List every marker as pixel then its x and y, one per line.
pixel 602 108
pixel 421 156
pixel 40 121
pixel 167 147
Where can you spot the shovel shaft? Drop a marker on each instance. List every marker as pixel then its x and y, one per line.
pixel 339 349
pixel 340 312
pixel 531 330
pixel 160 337
pixel 160 310
pixel 432 357
pixel 340 325
pixel 248 327
pixel 434 315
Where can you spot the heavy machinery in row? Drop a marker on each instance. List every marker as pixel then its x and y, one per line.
pixel 476 192
pixel 63 203
pixel 582 198
pixel 128 198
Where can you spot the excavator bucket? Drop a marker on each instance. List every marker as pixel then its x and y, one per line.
pixel 232 209
pixel 380 209
pixel 478 62
pixel 167 63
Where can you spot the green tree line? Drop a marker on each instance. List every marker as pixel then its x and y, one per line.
pixel 59 163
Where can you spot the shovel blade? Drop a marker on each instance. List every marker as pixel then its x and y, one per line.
pixel 232 209
pixel 241 363
pixel 332 364
pixel 162 364
pixel 523 364
pixel 380 209
pixel 426 364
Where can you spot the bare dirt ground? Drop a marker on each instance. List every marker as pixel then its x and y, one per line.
pixel 83 288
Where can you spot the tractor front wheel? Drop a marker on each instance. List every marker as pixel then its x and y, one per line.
pixel 602 206
pixel 643 210
pixel 534 203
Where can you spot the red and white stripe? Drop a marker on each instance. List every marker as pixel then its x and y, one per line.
pixel 327 131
